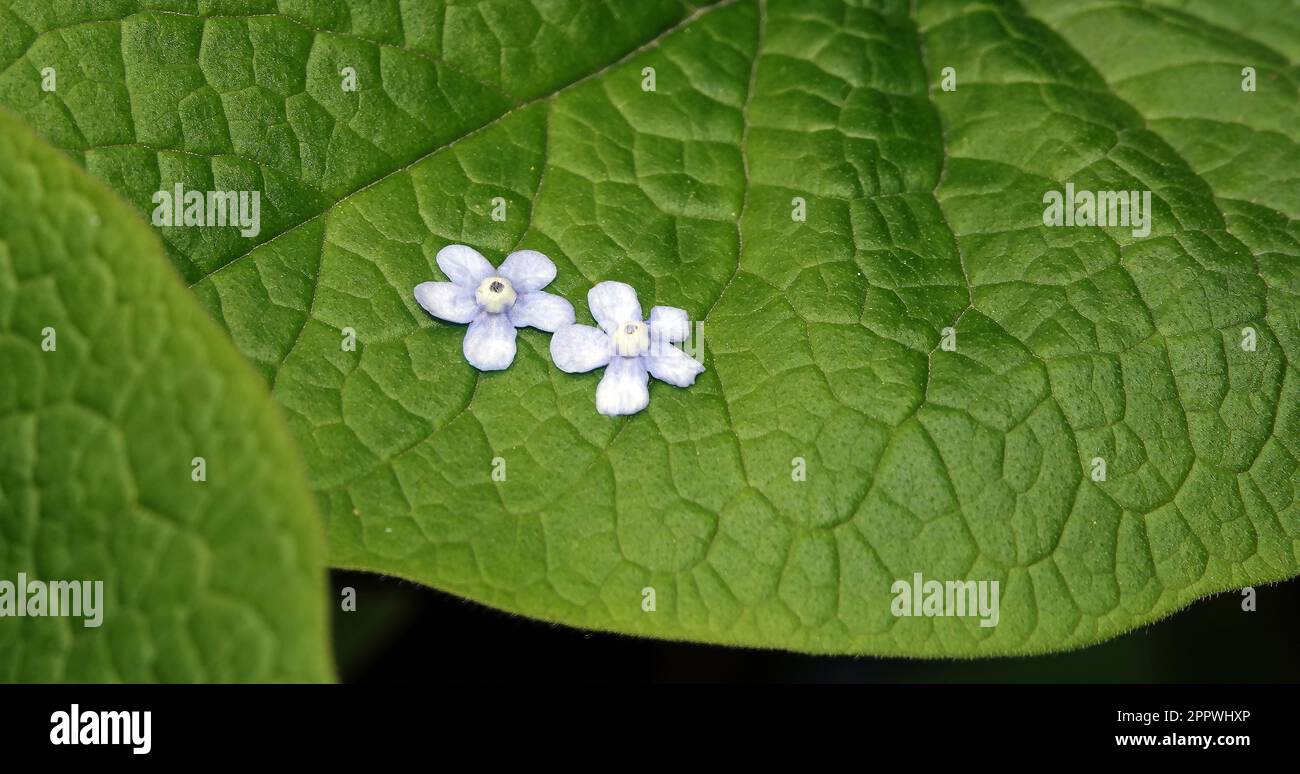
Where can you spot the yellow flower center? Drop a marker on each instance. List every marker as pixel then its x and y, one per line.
pixel 631 339
pixel 495 295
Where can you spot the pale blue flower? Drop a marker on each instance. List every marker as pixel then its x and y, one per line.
pixel 631 349
pixel 494 301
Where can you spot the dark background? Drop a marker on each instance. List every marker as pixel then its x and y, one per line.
pixel 404 632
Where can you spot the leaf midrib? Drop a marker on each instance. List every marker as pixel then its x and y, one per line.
pixel 551 95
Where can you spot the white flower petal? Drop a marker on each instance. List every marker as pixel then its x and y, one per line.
pixel 447 301
pixel 622 390
pixel 541 310
pixel 464 265
pixel 670 364
pixel 669 323
pixel 613 303
pixel 490 342
pixel 577 349
pixel 527 270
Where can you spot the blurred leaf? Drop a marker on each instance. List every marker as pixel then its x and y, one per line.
pixel 114 382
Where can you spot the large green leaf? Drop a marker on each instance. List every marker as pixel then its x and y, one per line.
pixel 113 382
pixel 823 337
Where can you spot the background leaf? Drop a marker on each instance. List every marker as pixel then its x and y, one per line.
pixel 925 212
pixel 217 580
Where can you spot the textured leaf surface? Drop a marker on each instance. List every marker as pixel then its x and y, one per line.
pixel 218 580
pixel 924 212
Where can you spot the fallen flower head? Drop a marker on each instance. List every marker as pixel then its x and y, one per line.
pixel 631 348
pixel 494 301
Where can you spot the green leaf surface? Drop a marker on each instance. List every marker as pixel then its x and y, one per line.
pixel 822 337
pixel 113 382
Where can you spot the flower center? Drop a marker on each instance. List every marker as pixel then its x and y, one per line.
pixel 495 295
pixel 631 339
